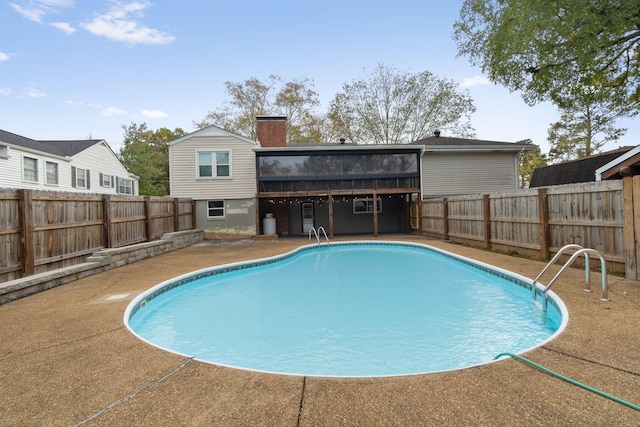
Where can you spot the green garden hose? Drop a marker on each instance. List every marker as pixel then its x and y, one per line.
pixel 574 382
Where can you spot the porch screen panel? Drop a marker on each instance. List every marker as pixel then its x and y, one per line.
pixel 336 166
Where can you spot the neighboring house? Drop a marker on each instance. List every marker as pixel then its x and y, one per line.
pixel 78 166
pixel 217 169
pixel 627 164
pixel 575 171
pixel 344 188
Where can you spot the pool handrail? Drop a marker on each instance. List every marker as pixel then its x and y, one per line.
pixel 316 233
pixel 580 251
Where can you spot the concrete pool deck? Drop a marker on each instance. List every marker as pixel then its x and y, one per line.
pixel 66 358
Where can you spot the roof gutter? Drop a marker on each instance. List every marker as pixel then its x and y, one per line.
pixel 38 152
pixel 340 148
pixel 518 148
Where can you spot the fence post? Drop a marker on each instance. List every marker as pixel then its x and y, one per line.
pixel 106 215
pixel 375 214
pixel 193 215
pixel 445 218
pixel 543 218
pixel 631 227
pixel 147 217
pixel 25 215
pixel 486 219
pixel 419 213
pixel 176 214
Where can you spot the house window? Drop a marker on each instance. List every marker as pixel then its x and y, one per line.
pixel 80 178
pixel 125 186
pixel 366 205
pixel 29 169
pixel 52 173
pixel 106 180
pixel 215 209
pixel 4 151
pixel 214 164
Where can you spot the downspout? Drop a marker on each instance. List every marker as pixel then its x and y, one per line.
pixel 518 168
pixel 422 151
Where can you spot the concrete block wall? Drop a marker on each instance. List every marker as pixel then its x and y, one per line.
pixel 102 260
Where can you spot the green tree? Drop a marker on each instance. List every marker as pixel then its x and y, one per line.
pixel 146 154
pixel 392 107
pixel 547 49
pixel 530 161
pixel 295 99
pixel 585 125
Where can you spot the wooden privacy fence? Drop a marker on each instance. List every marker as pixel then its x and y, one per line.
pixel 42 230
pixel 601 215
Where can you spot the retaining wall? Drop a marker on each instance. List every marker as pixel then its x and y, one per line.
pixel 102 260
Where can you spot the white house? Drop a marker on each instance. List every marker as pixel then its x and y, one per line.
pixel 217 169
pixel 238 183
pixel 77 166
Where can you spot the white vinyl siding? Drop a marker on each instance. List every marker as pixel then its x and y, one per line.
pixel 100 161
pixel 448 174
pixel 94 160
pixel 184 169
pixel 12 171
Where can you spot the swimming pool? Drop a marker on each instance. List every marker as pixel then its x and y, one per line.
pixel 351 309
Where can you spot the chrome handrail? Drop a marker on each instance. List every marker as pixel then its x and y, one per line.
pixel 603 268
pixel 580 251
pixel 323 232
pixel 316 233
pixel 553 260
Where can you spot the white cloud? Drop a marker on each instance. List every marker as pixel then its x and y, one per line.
pixel 64 27
pixel 113 111
pixel 58 3
pixel 81 104
pixel 36 10
pixel 4 57
pixel 5 91
pixel 118 24
pixel 153 114
pixel 34 14
pixel 34 92
pixel 474 81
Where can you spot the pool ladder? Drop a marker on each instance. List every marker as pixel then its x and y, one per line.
pixel 576 254
pixel 313 231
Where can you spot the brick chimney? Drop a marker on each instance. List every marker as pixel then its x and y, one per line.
pixel 272 131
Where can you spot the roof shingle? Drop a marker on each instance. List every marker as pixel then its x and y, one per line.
pixel 66 148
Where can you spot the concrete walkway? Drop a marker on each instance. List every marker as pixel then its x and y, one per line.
pixel 67 359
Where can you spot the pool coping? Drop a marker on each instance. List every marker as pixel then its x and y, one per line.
pixel 143 298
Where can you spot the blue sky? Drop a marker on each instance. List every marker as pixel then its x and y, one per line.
pixel 73 69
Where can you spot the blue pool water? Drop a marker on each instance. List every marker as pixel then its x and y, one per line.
pixel 346 310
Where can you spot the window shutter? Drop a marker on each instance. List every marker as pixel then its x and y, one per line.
pixel 100 182
pixel 88 181
pixel 73 176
